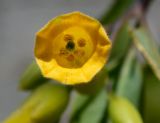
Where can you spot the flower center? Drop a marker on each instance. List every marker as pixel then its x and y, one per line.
pixel 73 47
pixel 70 45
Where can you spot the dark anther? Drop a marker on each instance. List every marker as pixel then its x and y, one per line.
pixel 70 45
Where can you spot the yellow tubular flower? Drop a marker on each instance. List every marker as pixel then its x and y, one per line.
pixel 72 48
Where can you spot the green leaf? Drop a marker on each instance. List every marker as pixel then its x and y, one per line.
pixel 120 47
pixel 146 45
pixel 117 9
pixel 92 108
pixel 130 79
pixel 31 78
pixel 80 103
pixel 151 97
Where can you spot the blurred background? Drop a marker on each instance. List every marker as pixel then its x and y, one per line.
pixel 21 19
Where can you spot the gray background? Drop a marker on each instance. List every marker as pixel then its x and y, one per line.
pixel 20 19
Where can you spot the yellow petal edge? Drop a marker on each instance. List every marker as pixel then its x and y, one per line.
pixel 72 48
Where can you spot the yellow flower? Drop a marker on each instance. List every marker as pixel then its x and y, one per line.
pixel 72 48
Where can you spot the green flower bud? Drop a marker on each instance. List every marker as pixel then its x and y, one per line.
pixel 45 105
pixel 96 84
pixel 31 78
pixel 122 111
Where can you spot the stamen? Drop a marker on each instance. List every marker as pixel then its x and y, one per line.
pixel 70 57
pixel 63 52
pixel 79 53
pixel 81 42
pixel 68 38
